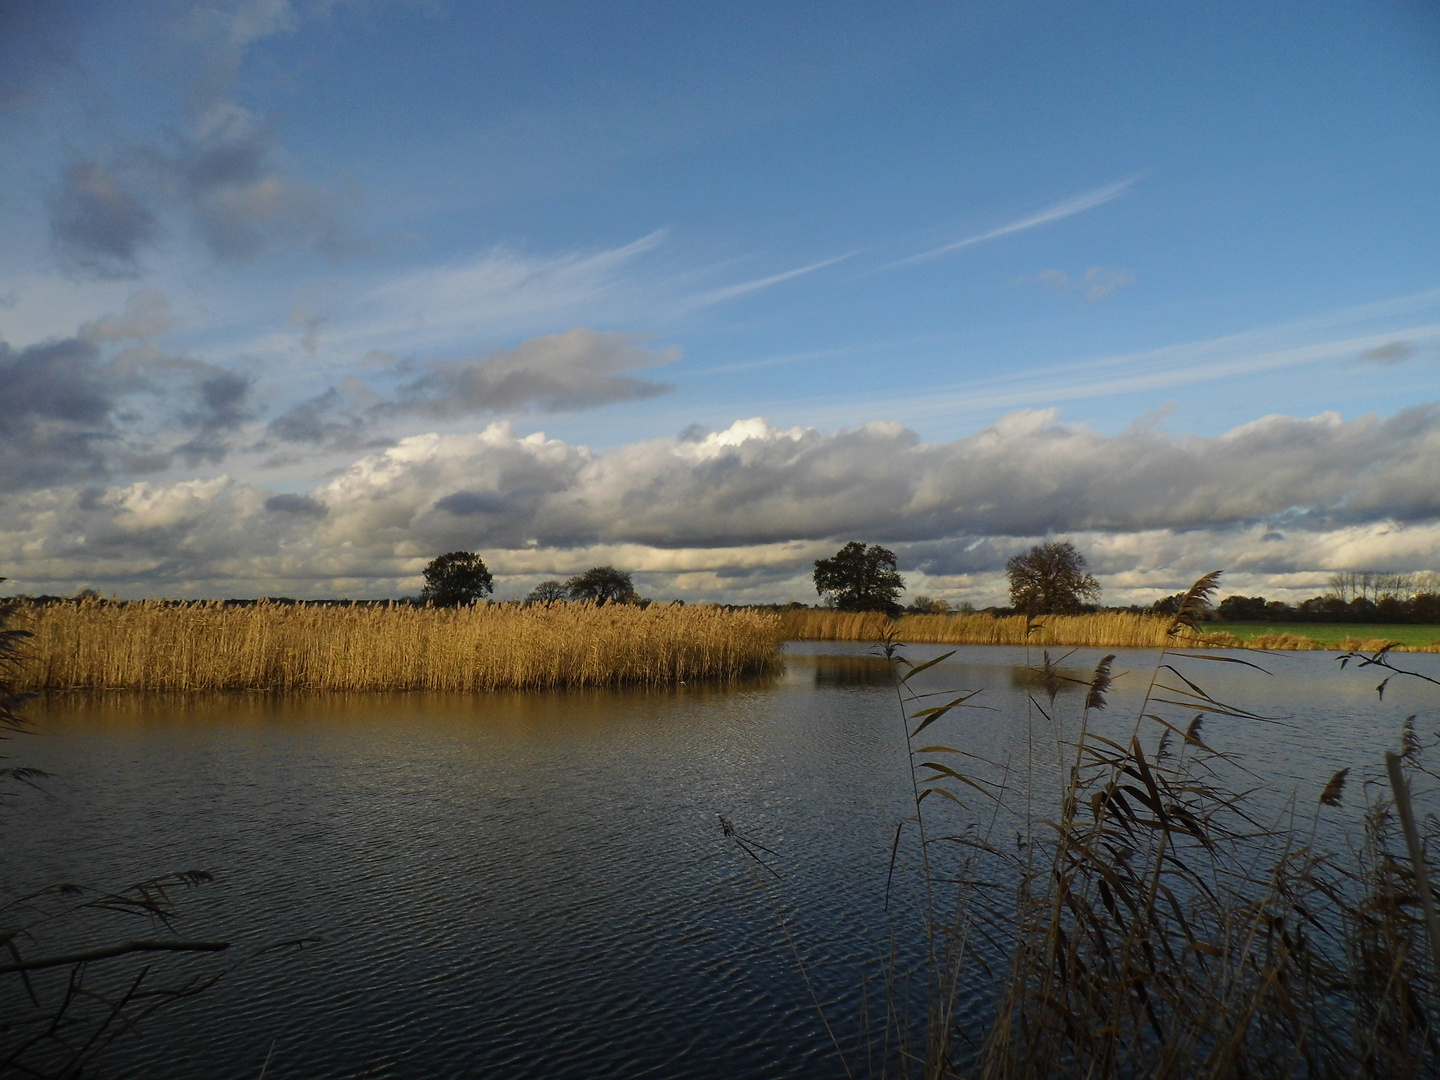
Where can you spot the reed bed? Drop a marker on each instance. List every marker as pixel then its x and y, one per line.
pixel 201 646
pixel 1103 630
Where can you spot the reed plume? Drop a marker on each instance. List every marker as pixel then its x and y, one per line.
pixel 155 645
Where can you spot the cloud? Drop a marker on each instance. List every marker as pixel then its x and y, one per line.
pixel 1392 352
pixel 341 418
pixel 729 292
pixel 147 314
pixel 1093 285
pixel 747 509
pixel 224 174
pixel 108 401
pixel 1076 204
pixel 501 290
pixel 578 369
pixel 220 169
pixel 97 223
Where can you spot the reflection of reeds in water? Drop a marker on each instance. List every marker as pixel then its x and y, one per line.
pixel 849 670
pixel 264 646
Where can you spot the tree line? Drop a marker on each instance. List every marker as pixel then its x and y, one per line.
pixel 1048 579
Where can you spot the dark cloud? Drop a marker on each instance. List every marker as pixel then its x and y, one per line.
pixel 54 414
pixel 97 223
pixel 575 370
pixel 73 409
pixel 1390 353
pixel 296 504
pixel 219 409
pixel 225 175
pixel 334 420
pixel 578 369
pixel 220 169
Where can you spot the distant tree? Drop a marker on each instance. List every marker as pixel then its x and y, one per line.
pixel 1168 605
pixel 548 592
pixel 1050 579
pixel 603 585
pixel 860 578
pixel 455 578
pixel 924 605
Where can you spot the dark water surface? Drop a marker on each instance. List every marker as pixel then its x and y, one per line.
pixel 537 885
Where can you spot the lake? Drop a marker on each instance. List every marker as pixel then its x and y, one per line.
pixel 537 885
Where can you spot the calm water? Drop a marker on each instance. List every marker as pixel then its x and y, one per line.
pixel 537 886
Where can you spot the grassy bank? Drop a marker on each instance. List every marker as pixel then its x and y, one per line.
pixel 1106 630
pixel 1335 635
pixel 209 646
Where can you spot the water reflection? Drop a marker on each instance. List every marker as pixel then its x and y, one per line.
pixel 535 885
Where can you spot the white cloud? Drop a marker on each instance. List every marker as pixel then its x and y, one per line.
pixel 743 512
pixel 1076 204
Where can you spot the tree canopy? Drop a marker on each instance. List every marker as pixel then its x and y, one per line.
pixel 1050 579
pixel 859 578
pixel 603 585
pixel 548 592
pixel 456 578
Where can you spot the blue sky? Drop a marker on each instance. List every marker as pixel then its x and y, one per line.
pixel 265 249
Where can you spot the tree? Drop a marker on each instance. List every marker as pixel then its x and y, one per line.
pixel 603 585
pixel 458 577
pixel 858 578
pixel 1050 579
pixel 548 592
pixel 924 605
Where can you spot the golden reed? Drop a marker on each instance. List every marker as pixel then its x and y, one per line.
pixel 1105 630
pixel 153 645
pixel 1108 630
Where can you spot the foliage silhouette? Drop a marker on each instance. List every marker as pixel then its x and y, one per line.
pixel 456 578
pixel 1050 579
pixel 860 578
pixel 603 585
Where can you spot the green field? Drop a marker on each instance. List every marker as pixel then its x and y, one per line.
pixel 1331 633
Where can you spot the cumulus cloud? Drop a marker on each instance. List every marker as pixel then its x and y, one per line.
pixel 740 511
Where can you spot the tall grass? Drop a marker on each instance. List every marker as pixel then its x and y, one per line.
pixel 1102 630
pixel 150 645
pixel 1148 915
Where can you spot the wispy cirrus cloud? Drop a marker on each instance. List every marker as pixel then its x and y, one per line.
pixel 1065 208
pixel 729 292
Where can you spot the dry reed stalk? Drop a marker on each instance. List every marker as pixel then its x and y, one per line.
pixel 153 645
pixel 1109 630
pixel 1144 923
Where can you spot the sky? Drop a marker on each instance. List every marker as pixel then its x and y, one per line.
pixel 297 294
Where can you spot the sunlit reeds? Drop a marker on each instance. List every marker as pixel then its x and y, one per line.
pixel 150 645
pixel 1106 630
pixel 1102 630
